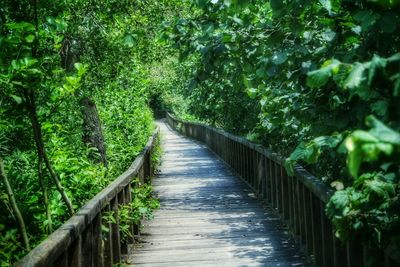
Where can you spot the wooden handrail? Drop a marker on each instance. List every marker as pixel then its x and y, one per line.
pixel 79 241
pixel 300 199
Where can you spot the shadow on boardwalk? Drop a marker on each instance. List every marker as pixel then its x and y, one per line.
pixel 208 216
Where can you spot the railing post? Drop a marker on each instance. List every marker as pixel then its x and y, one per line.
pixel 87 247
pixel 97 242
pixel 116 242
pixel 128 200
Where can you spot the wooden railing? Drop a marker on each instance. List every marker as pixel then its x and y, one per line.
pixel 300 199
pixel 80 242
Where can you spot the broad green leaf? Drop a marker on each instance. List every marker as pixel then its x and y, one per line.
pixel 356 76
pixel 320 77
pixel 279 58
pixel 331 6
pixel 328 141
pixel 340 199
pixel 327 5
pixel 376 63
pixel 252 92
pixel 380 107
pixel 379 187
pixel 16 99
pixel 363 136
pixel 129 40
pixel 393 58
pixel 81 68
pixel 372 151
pixel 382 132
pixel 228 3
pixel 354 157
pixel 30 38
pixel 328 35
pixel 21 25
pixel 28 61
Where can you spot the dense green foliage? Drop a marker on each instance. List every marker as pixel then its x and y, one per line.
pixel 76 81
pixel 314 81
pixel 317 81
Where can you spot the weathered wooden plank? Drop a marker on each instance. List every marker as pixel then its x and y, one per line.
pixel 176 244
pixel 221 262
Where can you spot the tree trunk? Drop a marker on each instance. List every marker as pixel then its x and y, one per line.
pixel 14 206
pixel 42 155
pixel 43 185
pixel 92 131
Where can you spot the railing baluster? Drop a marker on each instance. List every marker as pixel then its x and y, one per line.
pixel 354 253
pixel 242 162
pixel 291 201
pixel 327 239
pixel 307 219
pixel 267 180
pixel 255 170
pixel 260 175
pixel 75 253
pixel 62 261
pixel 273 182
pixel 295 206
pixel 108 244
pixel 317 231
pixel 278 189
pixel 285 195
pixel 246 163
pixel 121 202
pixel 300 212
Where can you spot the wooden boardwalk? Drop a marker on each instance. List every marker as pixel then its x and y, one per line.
pixel 208 216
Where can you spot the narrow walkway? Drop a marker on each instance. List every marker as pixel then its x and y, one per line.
pixel 208 216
